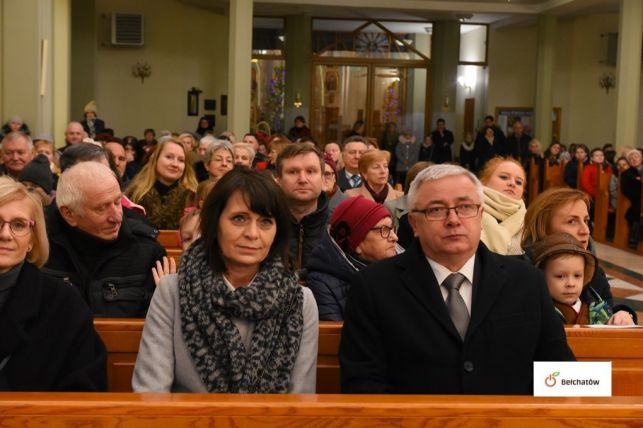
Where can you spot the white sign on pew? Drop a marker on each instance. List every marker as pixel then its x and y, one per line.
pixel 572 379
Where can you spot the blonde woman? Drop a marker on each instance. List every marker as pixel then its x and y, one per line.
pixel 165 185
pixel 48 338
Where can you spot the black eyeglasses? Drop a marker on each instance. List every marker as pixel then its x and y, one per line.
pixel 385 231
pixel 328 174
pixel 441 213
pixel 18 226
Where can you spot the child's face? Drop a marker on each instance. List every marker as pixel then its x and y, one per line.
pixel 189 232
pixel 564 275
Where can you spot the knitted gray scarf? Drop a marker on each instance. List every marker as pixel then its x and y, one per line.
pixel 274 301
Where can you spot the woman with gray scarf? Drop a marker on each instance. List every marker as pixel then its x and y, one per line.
pixel 234 318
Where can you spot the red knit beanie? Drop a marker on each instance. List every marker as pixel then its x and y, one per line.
pixel 353 219
pixel 328 160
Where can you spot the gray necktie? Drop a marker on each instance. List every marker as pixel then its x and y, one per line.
pixel 455 303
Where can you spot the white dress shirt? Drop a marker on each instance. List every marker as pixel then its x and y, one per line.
pixel 466 289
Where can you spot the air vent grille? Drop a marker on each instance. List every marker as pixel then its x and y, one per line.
pixel 127 29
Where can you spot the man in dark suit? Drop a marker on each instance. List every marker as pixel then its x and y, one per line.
pixel 517 144
pixel 442 142
pixel 349 177
pixel 448 316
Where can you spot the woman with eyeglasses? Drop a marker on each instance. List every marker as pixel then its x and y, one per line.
pixel 361 232
pixel 47 336
pixel 504 209
pixel 329 184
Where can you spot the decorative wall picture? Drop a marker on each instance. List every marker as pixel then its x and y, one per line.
pixel 193 101
pixel 331 84
pixel 224 105
pixel 210 105
pixel 506 116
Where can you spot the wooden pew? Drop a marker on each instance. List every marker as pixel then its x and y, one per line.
pixel 356 411
pixel 167 238
pixel 621 227
pixel 121 337
pixel 553 175
pixel 623 347
pixel 601 205
pixel 579 174
pixel 533 181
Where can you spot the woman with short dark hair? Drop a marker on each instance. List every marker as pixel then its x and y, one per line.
pixel 234 319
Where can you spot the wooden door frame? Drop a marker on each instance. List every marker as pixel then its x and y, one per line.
pixel 371 64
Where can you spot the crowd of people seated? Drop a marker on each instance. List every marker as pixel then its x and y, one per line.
pixel 398 241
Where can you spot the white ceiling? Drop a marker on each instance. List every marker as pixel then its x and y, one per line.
pixel 495 12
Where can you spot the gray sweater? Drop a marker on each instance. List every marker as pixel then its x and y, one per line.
pixel 164 363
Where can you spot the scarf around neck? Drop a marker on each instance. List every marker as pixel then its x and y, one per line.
pixel 273 301
pixel 502 222
pixel 377 197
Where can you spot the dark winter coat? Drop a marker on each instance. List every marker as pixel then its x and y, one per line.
pixel 631 188
pixel 307 233
pixel 442 146
pixel 570 175
pixel 47 332
pixel 329 271
pixel 120 283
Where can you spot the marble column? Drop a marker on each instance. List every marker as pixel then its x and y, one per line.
pixel 239 66
pixel 628 72
pixel 547 28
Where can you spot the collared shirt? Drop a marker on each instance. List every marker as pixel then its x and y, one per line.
pixel 577 306
pixel 349 177
pixel 466 289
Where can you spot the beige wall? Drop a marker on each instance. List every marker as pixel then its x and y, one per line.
pixel 512 67
pixel 20 62
pixel 588 113
pixel 185 46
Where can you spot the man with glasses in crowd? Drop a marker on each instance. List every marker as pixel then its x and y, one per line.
pixel 448 316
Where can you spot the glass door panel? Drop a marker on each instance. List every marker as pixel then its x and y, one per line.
pixel 399 96
pixel 339 100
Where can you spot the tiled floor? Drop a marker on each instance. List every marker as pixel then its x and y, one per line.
pixel 625 274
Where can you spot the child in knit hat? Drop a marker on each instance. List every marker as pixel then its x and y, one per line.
pixel 569 268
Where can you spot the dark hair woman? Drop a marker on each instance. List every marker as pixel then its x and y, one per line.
pixel 234 319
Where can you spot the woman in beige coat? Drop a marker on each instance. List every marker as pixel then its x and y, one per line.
pixel 373 167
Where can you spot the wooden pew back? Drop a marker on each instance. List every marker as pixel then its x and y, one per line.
pixel 533 180
pixel 356 411
pixel 553 175
pixel 168 239
pixel 621 227
pixel 623 347
pixel 601 204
